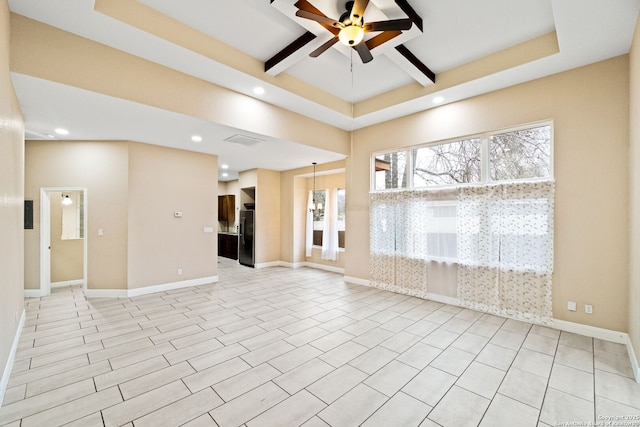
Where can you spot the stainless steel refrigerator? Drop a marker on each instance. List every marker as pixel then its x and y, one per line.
pixel 246 247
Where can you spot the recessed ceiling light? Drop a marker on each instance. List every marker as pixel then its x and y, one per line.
pixel 224 166
pixel 258 90
pixel 196 138
pixel 438 100
pixel 225 174
pixel 61 131
pixel 50 136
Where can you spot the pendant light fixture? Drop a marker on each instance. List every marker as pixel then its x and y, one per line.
pixel 66 200
pixel 314 206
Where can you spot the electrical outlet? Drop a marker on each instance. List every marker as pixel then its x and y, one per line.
pixel 571 306
pixel 179 272
pixel 588 308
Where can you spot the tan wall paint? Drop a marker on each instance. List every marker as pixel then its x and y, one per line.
pixel 267 232
pixel 161 182
pixel 67 256
pixel 634 172
pixel 591 122
pixel 43 51
pixel 102 168
pixel 11 199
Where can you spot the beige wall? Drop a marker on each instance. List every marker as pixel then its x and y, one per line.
pixel 161 182
pixel 634 168
pixel 101 168
pixel 11 200
pixel 591 125
pixel 67 256
pixel 267 231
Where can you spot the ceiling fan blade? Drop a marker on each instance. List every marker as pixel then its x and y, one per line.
pixel 324 47
pixel 357 12
pixel 305 5
pixel 391 25
pixel 364 52
pixel 319 18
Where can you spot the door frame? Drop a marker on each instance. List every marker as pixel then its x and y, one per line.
pixel 45 236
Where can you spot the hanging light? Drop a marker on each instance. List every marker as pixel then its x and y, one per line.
pixel 66 200
pixel 314 206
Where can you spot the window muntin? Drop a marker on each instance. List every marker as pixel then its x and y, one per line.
pixel 450 163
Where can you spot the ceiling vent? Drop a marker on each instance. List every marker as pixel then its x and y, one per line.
pixel 247 141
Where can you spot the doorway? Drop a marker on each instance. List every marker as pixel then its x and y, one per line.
pixel 63 237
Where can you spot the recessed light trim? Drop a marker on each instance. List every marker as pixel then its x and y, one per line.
pixel 196 138
pixel 258 90
pixel 224 174
pixel 224 166
pixel 61 131
pixel 438 100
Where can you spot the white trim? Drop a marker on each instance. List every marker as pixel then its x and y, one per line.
pixel 590 331
pixel 634 360
pixel 127 293
pixel 323 267
pixel 32 293
pixel 358 281
pixel 268 264
pixel 67 283
pixel 444 299
pixel 12 355
pixel 171 286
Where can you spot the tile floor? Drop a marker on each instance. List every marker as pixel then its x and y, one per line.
pixel 281 347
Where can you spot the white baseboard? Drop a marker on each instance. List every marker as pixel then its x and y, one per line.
pixel 32 293
pixel 12 355
pixel 444 299
pixel 127 293
pixel 67 283
pixel 357 281
pixel 268 264
pixel 634 359
pixel 590 331
pixel 323 267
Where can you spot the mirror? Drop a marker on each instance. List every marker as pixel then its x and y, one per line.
pixel 72 215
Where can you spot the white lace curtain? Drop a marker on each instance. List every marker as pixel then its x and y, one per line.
pixel 500 236
pixel 505 248
pixel 330 231
pixel 329 227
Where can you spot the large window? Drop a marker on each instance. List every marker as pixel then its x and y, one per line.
pixel 512 155
pixel 318 217
pixel 483 202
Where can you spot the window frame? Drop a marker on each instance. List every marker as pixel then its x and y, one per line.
pixel 320 232
pixel 485 138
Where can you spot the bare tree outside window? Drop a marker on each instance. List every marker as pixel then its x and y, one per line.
pixel 445 164
pixel 520 154
pixel 391 170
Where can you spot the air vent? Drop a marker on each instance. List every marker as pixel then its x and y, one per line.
pixel 247 141
pixel 29 134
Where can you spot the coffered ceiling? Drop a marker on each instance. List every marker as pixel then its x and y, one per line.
pixel 471 46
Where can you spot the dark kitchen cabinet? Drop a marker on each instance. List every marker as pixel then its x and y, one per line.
pixel 228 245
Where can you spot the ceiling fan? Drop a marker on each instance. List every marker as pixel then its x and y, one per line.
pixel 351 27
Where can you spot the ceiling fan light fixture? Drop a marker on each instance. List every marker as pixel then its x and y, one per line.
pixel 351 35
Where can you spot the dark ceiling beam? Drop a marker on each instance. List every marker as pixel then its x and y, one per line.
pixel 416 62
pixel 298 43
pixel 410 12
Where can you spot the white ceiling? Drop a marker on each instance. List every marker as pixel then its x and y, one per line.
pixel 455 33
